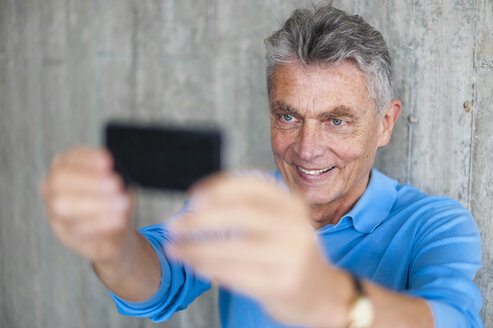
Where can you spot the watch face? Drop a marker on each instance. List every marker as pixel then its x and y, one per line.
pixel 362 314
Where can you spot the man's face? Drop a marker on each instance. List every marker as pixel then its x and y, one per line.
pixel 324 132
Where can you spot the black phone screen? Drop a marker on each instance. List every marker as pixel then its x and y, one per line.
pixel 163 157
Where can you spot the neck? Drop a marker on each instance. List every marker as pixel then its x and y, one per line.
pixel 331 213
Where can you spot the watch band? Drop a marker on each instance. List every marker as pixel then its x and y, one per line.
pixel 361 313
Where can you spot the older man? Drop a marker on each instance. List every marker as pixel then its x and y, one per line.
pixel 343 245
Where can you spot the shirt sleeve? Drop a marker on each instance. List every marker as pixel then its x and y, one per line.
pixel 179 284
pixel 447 255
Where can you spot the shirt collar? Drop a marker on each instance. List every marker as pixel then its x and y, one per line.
pixel 375 204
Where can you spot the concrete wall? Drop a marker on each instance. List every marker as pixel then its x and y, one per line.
pixel 66 66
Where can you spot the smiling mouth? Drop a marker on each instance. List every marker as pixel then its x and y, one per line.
pixel 315 172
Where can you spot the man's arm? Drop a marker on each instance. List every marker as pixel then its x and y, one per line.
pixel 398 310
pixel 446 254
pixel 135 275
pixel 391 309
pixel 90 212
pixel 255 239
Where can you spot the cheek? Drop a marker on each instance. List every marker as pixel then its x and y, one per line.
pixel 350 151
pixel 358 150
pixel 280 141
pixel 358 147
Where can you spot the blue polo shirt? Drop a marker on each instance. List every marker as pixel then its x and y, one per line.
pixel 395 236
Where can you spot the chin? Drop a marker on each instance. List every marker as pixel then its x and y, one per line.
pixel 316 197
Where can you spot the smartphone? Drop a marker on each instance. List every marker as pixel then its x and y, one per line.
pixel 162 157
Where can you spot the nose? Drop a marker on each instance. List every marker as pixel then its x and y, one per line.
pixel 310 143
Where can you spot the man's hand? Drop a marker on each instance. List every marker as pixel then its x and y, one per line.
pixel 254 237
pixel 90 212
pixel 87 206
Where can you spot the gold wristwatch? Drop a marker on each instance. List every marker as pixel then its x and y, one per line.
pixel 361 313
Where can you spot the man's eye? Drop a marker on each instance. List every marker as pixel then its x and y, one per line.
pixel 287 117
pixel 336 122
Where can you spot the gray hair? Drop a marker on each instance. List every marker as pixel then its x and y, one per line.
pixel 325 34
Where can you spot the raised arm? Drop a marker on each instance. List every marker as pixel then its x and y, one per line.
pixel 256 240
pixel 90 212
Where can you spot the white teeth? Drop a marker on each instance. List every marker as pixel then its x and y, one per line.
pixel 314 172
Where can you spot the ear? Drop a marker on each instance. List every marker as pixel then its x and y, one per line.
pixel 387 122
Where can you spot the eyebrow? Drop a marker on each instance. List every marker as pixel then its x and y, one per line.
pixel 281 107
pixel 339 111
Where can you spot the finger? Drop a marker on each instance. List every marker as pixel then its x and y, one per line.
pixel 102 226
pixel 248 183
pixel 245 216
pixel 84 181
pixel 85 157
pixel 227 265
pixel 224 251
pixel 75 232
pixel 73 206
pixel 239 175
pixel 248 248
pixel 204 183
pixel 224 190
pixel 240 219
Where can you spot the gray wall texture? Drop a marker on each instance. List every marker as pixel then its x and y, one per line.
pixel 66 66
